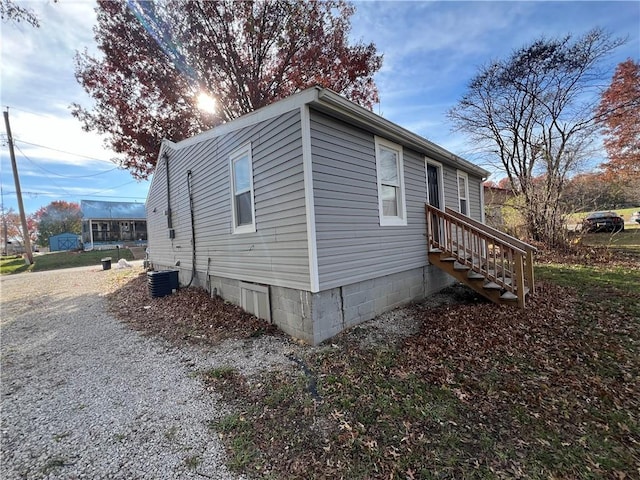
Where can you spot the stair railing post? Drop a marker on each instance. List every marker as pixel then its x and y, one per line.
pixel 427 215
pixel 519 284
pixel 530 275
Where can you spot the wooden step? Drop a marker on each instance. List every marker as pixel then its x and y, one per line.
pixel 489 289
pixel 509 297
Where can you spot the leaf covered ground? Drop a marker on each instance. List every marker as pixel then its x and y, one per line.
pixel 480 391
pixel 189 315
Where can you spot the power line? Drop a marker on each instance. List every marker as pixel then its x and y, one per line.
pixel 63 151
pixel 65 176
pixel 90 194
pixel 68 194
pixel 117 186
pixel 51 194
pixel 51 180
pixel 27 111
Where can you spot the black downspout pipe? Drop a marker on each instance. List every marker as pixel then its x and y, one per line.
pixel 165 155
pixel 193 229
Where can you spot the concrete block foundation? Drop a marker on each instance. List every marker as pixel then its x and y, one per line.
pixel 315 317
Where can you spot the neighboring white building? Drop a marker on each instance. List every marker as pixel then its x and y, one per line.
pixel 106 223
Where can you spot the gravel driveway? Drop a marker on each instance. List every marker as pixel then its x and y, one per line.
pixel 83 396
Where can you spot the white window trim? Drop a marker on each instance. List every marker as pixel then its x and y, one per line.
pixel 461 174
pixel 440 169
pixel 237 154
pixel 400 220
pixel 482 214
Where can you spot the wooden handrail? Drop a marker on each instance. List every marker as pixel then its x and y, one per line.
pixel 500 258
pixel 529 249
pixel 493 231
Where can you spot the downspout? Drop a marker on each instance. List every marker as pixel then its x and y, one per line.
pixel 165 155
pixel 193 230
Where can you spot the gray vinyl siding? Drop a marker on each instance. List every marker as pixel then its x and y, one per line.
pixel 450 180
pixel 277 253
pixel 351 244
pixel 157 232
pixel 451 200
pixel 475 209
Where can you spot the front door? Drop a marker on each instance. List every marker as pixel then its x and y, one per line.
pixel 434 193
pixel 433 186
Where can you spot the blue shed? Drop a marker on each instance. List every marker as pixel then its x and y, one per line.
pixel 64 241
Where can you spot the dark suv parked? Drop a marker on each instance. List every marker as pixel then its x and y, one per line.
pixel 603 222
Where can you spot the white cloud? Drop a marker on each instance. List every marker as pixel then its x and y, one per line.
pixel 38 63
pixel 58 135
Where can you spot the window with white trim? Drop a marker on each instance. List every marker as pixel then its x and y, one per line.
pixel 242 190
pixel 390 172
pixel 463 192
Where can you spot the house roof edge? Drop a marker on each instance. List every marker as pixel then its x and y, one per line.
pixel 333 103
pixel 267 112
pixel 328 99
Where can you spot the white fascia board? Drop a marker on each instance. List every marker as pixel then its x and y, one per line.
pixel 307 168
pixel 482 215
pixel 366 118
pixel 276 109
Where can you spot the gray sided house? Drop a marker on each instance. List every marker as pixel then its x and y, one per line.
pixel 309 213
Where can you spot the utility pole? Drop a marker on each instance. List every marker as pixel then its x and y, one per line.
pixel 14 166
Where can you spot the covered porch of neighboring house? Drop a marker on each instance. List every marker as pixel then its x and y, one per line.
pixel 494 264
pixel 115 231
pixel 106 224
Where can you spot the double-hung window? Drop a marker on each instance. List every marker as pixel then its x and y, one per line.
pixel 463 192
pixel 242 190
pixel 389 168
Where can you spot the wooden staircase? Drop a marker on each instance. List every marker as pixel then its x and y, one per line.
pixel 494 264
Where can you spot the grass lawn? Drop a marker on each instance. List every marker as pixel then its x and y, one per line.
pixel 483 391
pixel 576 218
pixel 57 260
pixel 628 240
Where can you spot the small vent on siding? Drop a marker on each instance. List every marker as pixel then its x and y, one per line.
pixel 255 299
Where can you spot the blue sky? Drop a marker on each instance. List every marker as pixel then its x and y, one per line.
pixel 431 50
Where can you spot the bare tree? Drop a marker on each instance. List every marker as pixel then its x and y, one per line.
pixel 536 111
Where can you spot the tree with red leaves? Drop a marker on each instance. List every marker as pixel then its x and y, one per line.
pixel 58 217
pixel 159 57
pixel 14 233
pixel 620 112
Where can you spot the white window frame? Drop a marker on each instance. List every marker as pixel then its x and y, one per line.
pixel 245 150
pixel 460 174
pixel 401 218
